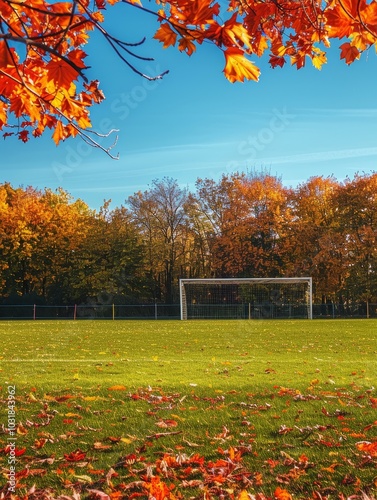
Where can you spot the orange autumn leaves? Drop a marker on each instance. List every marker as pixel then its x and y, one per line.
pixel 42 61
pixel 257 26
pixel 226 463
pixel 201 17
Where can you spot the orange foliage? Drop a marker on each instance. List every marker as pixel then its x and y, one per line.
pixel 47 87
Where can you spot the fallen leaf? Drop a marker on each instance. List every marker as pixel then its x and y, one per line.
pixel 75 456
pixel 102 447
pixel 99 495
pixel 167 423
pixel 281 494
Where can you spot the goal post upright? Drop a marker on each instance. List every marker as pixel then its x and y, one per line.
pixel 307 296
pixel 310 300
pixel 182 299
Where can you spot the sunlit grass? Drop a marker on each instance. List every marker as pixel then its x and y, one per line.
pixel 276 389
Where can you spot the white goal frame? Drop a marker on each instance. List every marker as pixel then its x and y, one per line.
pixel 241 281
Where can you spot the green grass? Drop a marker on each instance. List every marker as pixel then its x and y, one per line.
pixel 292 398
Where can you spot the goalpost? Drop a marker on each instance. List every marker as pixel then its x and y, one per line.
pixel 246 298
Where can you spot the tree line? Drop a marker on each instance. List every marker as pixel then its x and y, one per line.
pixel 57 250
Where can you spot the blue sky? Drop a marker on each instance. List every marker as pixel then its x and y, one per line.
pixel 194 123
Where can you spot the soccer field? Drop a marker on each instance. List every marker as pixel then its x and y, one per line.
pixel 193 409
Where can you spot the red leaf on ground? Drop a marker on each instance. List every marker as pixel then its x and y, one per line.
pixel 75 456
pixel 16 451
pixel 61 399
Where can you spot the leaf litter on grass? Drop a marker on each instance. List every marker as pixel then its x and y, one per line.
pixel 206 446
pixel 221 419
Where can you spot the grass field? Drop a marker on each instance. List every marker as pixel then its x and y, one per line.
pixel 205 409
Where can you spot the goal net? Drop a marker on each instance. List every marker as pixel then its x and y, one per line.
pixel 246 298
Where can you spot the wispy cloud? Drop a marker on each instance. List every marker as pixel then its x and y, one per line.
pixel 182 148
pixel 340 113
pixel 322 156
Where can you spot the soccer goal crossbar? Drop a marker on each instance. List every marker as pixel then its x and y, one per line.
pixel 246 298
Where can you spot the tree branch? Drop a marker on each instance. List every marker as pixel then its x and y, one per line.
pixel 46 48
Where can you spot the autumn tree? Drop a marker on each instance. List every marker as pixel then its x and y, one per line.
pixel 110 258
pixel 246 214
pixel 208 216
pixel 261 228
pixel 318 247
pixel 43 73
pixel 199 262
pixel 357 212
pixel 20 216
pixel 40 233
pixel 160 215
pixel 57 250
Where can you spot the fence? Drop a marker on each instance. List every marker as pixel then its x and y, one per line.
pixel 112 311
pixel 162 311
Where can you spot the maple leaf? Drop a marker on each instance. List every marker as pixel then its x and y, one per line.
pixel 260 46
pixel 6 58
pixel 236 32
pixel 58 134
pixel 186 45
pixel 96 94
pixel 166 35
pixel 158 490
pixel 76 56
pixel 349 52
pixel 23 135
pixel 238 68
pixel 298 59
pixel 61 73
pixel 319 59
pixel 277 61
pixel 75 456
pixel 202 12
pixel 340 19
pixel 231 34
